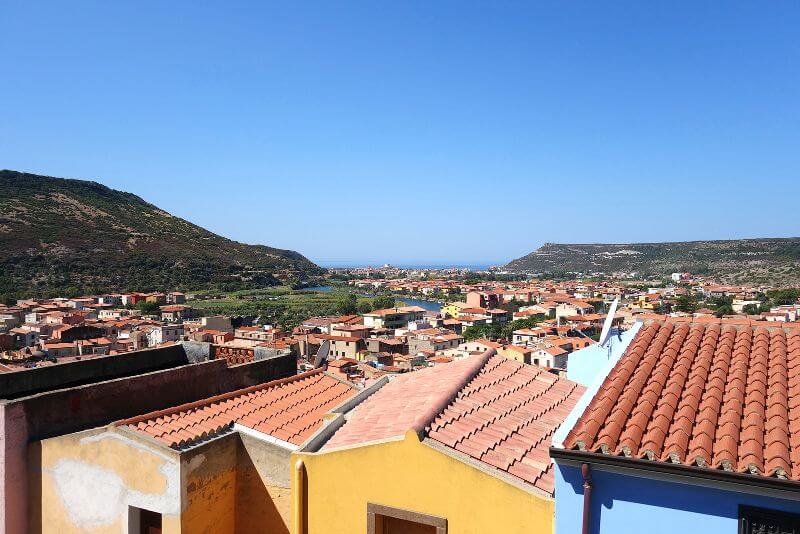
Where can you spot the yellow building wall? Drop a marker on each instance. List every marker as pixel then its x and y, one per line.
pixel 514 355
pixel 263 495
pixel 450 310
pixel 85 482
pixel 411 475
pixel 209 482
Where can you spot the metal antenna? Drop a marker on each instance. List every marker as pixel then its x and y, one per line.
pixel 322 354
pixel 606 339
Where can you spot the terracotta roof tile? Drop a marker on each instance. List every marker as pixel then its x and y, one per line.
pixel 501 412
pixel 290 409
pixel 403 403
pixel 712 394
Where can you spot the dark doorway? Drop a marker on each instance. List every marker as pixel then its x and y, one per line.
pixel 141 521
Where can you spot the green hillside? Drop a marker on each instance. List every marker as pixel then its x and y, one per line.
pixel 60 236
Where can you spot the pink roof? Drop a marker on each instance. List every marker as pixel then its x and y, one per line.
pixel 407 402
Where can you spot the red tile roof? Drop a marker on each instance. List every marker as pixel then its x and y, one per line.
pixel 506 416
pixel 289 409
pixel 721 395
pixel 497 411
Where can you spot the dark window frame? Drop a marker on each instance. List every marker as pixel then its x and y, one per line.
pixel 375 510
pixel 784 519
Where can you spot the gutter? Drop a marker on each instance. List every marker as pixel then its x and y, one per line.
pixel 587 498
pixel 690 473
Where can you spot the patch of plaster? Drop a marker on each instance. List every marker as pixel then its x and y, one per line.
pixel 130 442
pixel 194 463
pixel 95 496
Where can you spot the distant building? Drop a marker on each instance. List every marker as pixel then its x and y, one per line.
pixel 176 312
pixel 484 299
pixel 393 318
pixel 164 334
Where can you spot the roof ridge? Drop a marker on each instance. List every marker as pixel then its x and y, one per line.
pixel 438 405
pixel 216 398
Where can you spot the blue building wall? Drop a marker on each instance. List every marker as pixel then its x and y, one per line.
pixel 589 364
pixel 626 504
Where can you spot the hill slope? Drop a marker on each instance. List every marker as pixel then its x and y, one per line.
pixel 61 236
pixel 768 261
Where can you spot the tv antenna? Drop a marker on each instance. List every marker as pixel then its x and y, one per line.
pixel 322 354
pixel 605 335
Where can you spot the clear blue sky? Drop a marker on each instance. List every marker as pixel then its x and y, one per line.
pixel 418 132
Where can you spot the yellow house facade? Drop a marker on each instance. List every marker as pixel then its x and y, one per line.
pixel 409 475
pixel 450 310
pixel 422 454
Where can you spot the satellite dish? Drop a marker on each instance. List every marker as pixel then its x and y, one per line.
pixel 322 354
pixel 605 334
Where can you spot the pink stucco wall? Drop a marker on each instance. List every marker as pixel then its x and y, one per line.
pixel 13 470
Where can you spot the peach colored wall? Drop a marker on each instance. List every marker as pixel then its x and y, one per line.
pixel 86 482
pixel 208 483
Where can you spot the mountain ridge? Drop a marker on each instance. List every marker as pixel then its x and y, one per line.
pixel 64 235
pixel 770 261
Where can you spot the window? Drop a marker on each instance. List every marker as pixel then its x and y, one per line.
pixel 141 521
pixel 762 521
pixel 387 520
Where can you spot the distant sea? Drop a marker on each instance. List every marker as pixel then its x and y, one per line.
pixel 470 266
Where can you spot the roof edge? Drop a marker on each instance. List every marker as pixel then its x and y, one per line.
pixel 215 398
pixel 263 437
pixel 488 469
pixel 682 470
pixel 318 439
pixel 424 420
pixel 566 426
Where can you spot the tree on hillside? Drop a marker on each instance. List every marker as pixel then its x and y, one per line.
pixel 686 303
pixel 381 302
pixel 487 331
pixel 348 304
pixel 782 297
pixel 723 310
pixel 147 308
pixel 751 309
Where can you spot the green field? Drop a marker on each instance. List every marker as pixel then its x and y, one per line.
pixel 281 304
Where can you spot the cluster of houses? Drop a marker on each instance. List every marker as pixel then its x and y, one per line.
pixel 394 422
pixel 40 332
pixel 675 422
pixel 408 338
pixel 635 296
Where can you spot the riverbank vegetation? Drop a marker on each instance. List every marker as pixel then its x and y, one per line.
pixel 286 306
